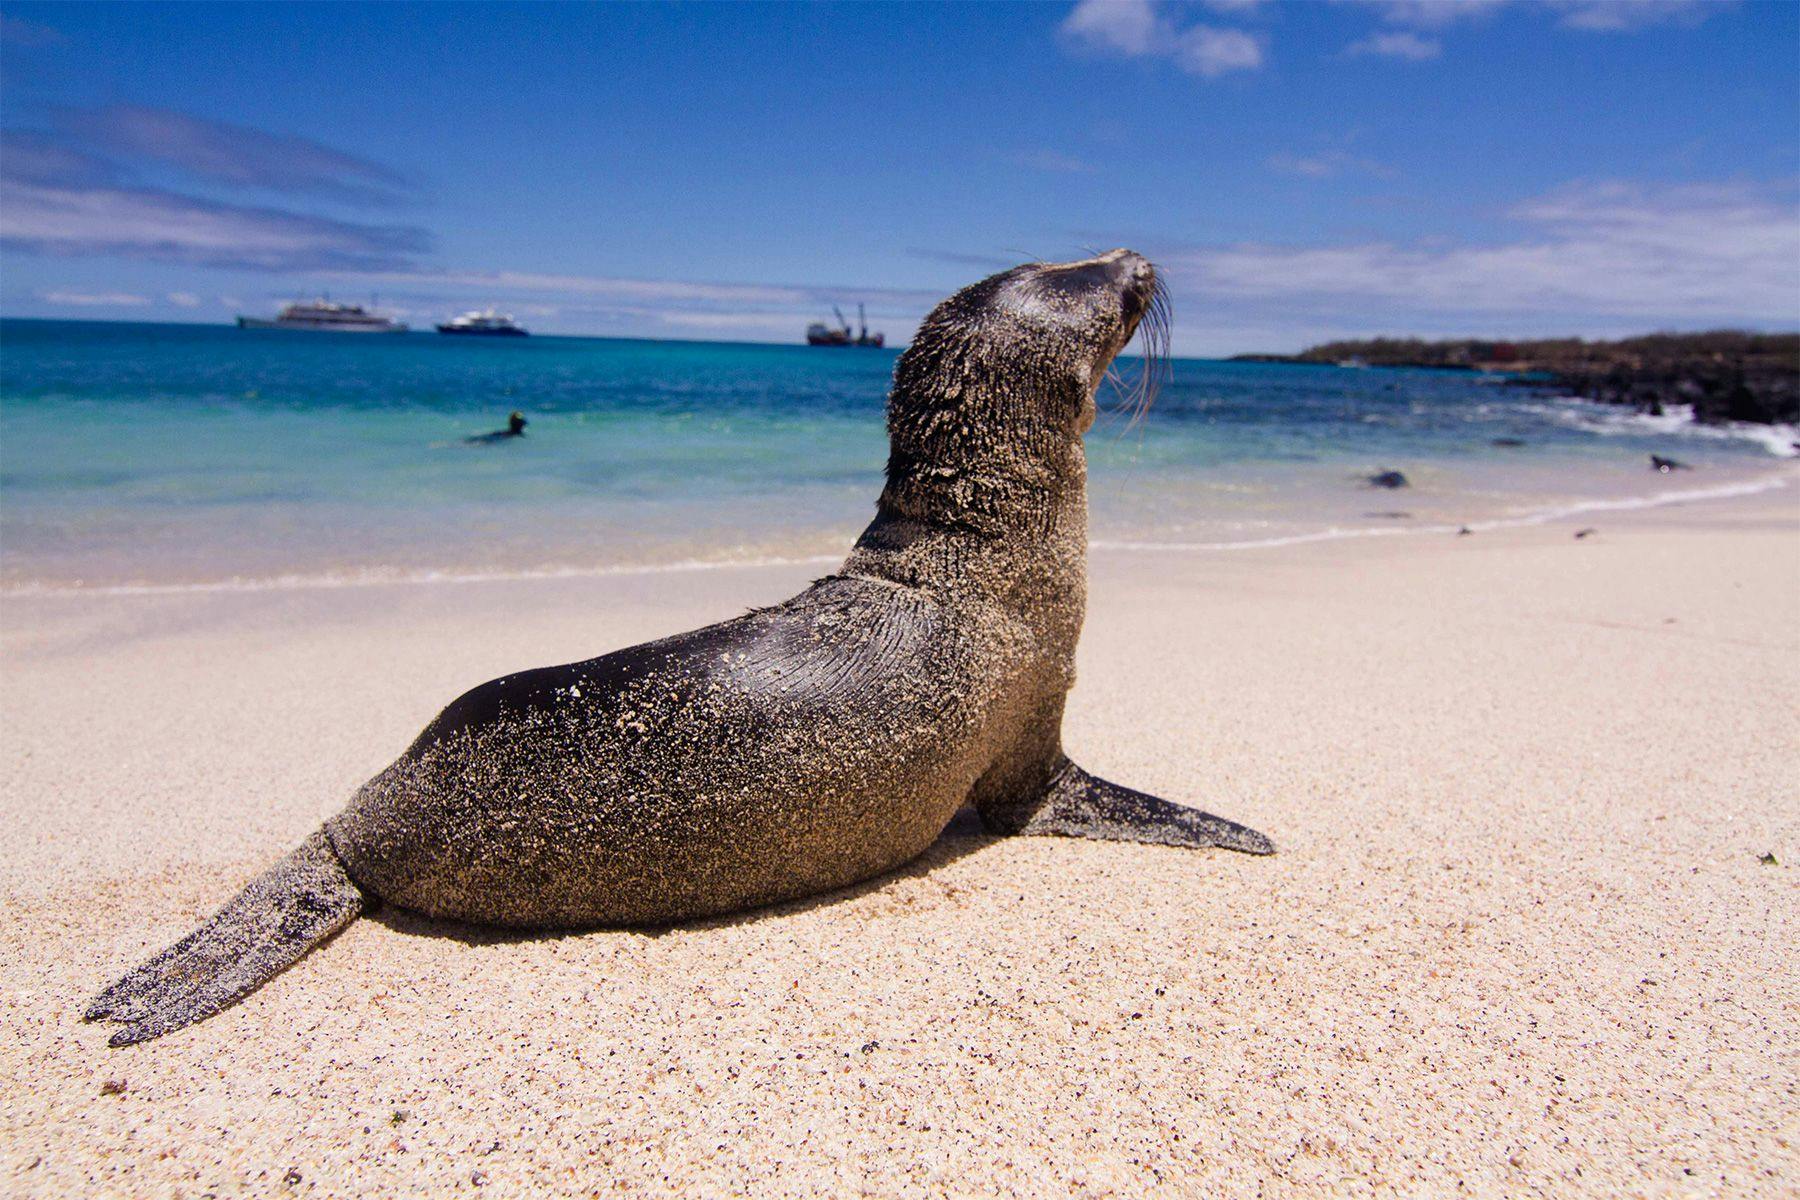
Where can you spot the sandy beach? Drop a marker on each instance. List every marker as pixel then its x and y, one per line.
pixel 1519 940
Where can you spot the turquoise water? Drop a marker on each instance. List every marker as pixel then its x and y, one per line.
pixel 136 454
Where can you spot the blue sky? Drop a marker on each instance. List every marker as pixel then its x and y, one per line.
pixel 1300 171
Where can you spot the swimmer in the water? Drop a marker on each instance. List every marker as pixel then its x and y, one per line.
pixel 515 427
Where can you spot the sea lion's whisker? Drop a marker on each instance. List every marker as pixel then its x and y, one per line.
pixel 1155 368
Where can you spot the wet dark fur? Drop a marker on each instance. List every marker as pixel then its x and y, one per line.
pixel 792 750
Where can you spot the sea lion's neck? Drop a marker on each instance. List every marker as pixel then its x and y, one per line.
pixel 987 525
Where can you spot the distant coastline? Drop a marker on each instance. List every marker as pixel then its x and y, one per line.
pixel 1724 375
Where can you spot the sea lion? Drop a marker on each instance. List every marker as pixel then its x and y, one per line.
pixel 515 428
pixel 787 752
pixel 1388 479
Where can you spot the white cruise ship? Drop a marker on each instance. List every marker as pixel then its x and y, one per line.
pixel 324 315
pixel 484 323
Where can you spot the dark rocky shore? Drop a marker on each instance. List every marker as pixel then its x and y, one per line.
pixel 1725 375
pixel 1758 379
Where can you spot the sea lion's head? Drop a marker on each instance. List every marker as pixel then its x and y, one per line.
pixel 1038 339
pixel 992 398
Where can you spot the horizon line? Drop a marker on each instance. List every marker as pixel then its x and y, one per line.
pixel 619 337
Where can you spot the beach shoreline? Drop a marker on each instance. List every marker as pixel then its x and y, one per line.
pixel 1518 939
pixel 1329 506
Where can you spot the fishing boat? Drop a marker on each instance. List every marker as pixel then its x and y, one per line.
pixel 821 334
pixel 484 323
pixel 322 315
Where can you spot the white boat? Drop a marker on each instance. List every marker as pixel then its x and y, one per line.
pixel 484 323
pixel 323 314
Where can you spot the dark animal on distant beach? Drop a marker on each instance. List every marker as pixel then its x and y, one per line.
pixel 1581 533
pixel 1665 465
pixel 515 427
pixel 1509 442
pixel 1389 479
pixel 792 750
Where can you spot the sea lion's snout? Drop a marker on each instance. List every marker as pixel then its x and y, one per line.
pixel 1128 268
pixel 1136 280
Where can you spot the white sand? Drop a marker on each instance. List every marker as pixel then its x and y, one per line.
pixel 1517 941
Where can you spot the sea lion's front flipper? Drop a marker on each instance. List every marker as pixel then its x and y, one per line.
pixel 1077 804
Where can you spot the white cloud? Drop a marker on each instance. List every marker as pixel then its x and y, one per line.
pixel 233 154
pixel 161 226
pixel 1293 164
pixel 1610 16
pixel 1128 26
pixel 1403 45
pixel 1685 255
pixel 1208 51
pixel 93 299
pixel 1628 16
pixel 613 287
pixel 1327 164
pixel 1432 14
pixel 1137 29
pixel 708 320
pixel 772 312
pixel 183 299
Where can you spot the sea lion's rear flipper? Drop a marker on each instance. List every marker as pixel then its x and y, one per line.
pixel 286 911
pixel 1076 804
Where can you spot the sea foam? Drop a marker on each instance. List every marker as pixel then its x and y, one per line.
pixel 384 577
pixel 1612 420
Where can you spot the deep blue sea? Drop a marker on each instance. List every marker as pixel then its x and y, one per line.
pixel 139 455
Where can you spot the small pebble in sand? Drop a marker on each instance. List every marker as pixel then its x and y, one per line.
pixel 292 1177
pixel 113 1087
pixel 1768 860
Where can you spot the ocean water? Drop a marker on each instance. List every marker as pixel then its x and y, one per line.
pixel 160 456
